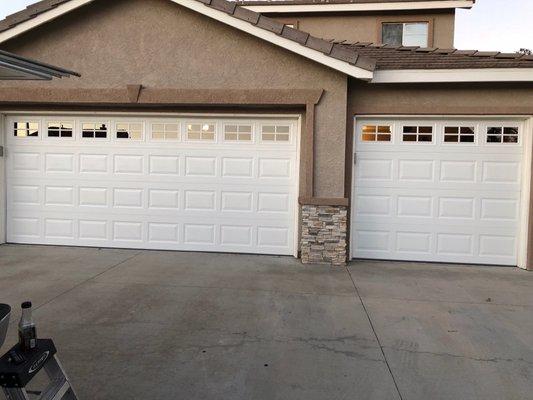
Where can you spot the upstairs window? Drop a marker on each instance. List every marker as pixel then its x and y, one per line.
pixel 376 133
pixel 201 132
pixel 133 131
pixel 94 130
pixel 405 34
pixel 26 129
pixel 504 134
pixel 423 134
pixel 459 134
pixel 58 129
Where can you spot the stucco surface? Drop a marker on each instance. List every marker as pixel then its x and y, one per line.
pixel 482 99
pixel 365 27
pixel 161 45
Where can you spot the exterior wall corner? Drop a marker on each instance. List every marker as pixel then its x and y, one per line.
pixel 324 234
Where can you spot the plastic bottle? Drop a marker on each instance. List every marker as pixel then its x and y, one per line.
pixel 27 331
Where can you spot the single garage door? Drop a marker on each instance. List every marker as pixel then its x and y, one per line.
pixel 437 190
pixel 187 183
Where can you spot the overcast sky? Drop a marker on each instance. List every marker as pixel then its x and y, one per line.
pixel 505 25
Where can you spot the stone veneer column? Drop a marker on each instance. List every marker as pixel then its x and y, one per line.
pixel 324 234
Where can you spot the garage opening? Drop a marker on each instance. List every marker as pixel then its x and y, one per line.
pixel 198 183
pixel 438 190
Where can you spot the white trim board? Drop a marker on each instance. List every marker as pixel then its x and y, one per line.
pixel 392 6
pixel 454 75
pixel 42 18
pixel 271 37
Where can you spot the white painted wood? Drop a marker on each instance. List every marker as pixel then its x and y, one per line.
pixel 42 18
pixel 182 194
pixel 437 201
pixel 454 75
pixel 526 195
pixel 391 6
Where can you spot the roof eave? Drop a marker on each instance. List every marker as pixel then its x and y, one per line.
pixel 279 7
pixel 472 75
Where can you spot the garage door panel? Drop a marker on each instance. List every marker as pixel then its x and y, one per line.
pixel 177 195
pixel 429 202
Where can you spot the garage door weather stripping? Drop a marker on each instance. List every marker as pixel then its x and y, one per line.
pixel 173 183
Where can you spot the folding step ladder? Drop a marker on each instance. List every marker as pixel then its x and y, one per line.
pixel 18 368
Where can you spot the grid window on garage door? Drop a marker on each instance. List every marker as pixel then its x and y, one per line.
pixel 112 185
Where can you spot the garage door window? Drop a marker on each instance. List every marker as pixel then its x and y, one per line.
pixel 94 130
pixel 238 133
pixel 201 132
pixel 133 131
pixel 459 134
pixel 58 129
pixel 275 133
pixel 504 134
pixel 421 134
pixel 26 129
pixel 376 133
pixel 162 131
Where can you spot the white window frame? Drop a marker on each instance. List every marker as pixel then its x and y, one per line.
pixel 165 123
pixel 46 122
pixel 275 142
pixel 418 125
pixel 498 124
pixel 129 123
pixel 237 124
pixel 29 121
pixel 404 25
pixel 94 138
pixel 452 124
pixel 202 124
pixel 377 124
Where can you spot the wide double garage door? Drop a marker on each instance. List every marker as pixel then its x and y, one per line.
pixel 177 183
pixel 438 190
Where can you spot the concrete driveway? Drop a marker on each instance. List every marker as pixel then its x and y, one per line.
pixel 165 325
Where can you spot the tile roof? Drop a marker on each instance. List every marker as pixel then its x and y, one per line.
pixel 367 56
pixel 312 2
pixel 395 58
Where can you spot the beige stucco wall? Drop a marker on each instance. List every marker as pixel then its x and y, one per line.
pixel 366 27
pixel 159 44
pixel 482 99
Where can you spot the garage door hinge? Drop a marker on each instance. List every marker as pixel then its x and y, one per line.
pixel 1 151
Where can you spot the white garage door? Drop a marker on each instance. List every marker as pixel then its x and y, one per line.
pixel 206 184
pixel 437 190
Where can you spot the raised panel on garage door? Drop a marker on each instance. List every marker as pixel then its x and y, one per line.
pixel 195 183
pixel 437 190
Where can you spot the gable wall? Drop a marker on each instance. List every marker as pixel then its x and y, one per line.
pixel 159 44
pixel 366 27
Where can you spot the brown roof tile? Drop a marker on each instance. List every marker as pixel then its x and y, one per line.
pixel 365 55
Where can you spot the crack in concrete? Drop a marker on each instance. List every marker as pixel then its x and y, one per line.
pixel 478 359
